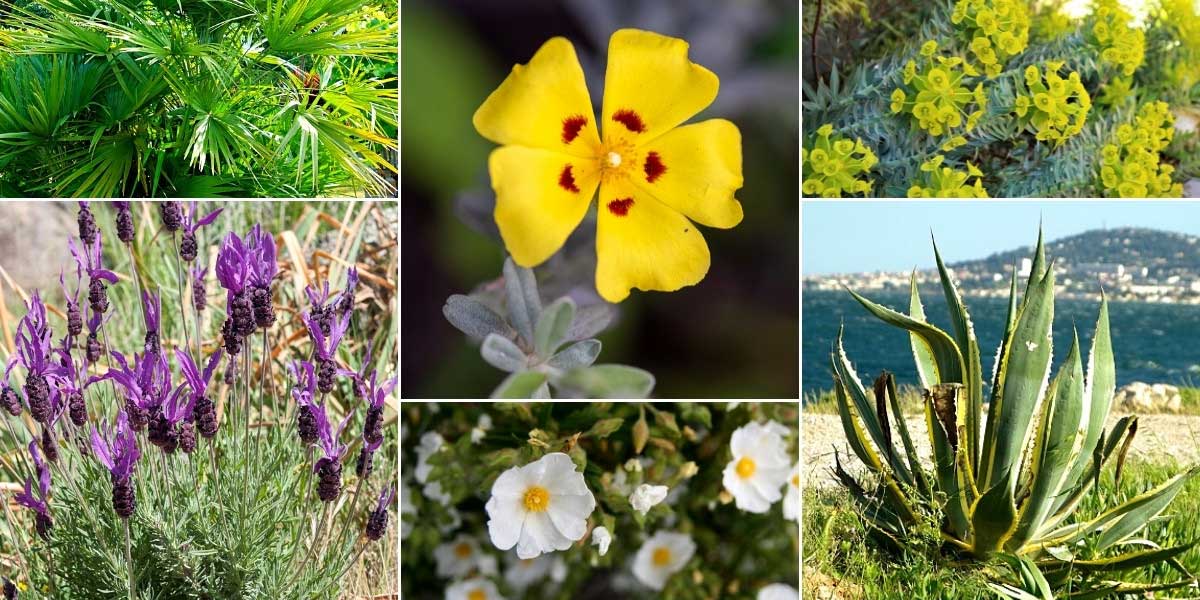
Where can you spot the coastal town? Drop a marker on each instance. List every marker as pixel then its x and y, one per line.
pixel 1129 265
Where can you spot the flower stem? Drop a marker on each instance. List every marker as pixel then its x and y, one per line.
pixel 182 311
pixel 129 563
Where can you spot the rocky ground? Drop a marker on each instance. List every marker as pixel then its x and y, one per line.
pixel 1159 437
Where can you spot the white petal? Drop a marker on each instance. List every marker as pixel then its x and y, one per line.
pixel 569 515
pixel 557 467
pixel 791 504
pixel 778 591
pixel 646 496
pixel 543 530
pixel 601 537
pixel 511 483
pixel 570 482
pixel 505 519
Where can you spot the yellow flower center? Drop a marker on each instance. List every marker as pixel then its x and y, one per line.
pixel 536 499
pixel 661 557
pixel 462 550
pixel 618 158
pixel 746 467
pixel 614 159
pixel 796 480
pixel 477 595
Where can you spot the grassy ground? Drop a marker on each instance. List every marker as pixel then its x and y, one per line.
pixel 824 403
pixel 841 561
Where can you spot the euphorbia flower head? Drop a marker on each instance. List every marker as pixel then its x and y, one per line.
pixel 38 503
pixel 653 175
pixel 187 246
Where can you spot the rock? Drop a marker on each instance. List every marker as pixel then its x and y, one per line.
pixel 33 247
pixel 1139 397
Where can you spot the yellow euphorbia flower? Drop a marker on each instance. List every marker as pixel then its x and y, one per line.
pixel 655 177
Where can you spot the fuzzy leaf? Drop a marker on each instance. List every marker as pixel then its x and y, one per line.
pixel 551 329
pixel 520 385
pixel 590 321
pixel 474 318
pixel 579 354
pixel 609 381
pixel 502 353
pixel 524 305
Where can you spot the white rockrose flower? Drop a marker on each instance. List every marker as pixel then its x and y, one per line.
pixel 646 496
pixel 473 589
pixel 482 426
pixel 759 467
pixel 487 564
pixel 430 442
pixel 601 537
pixel 662 556
pixel 457 557
pixel 525 572
pixel 540 507
pixel 791 499
pixel 778 591
pixel 433 490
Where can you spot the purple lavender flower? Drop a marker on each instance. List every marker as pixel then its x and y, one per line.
pixel 74 315
pixel 38 503
pixel 152 305
pixel 325 346
pixel 175 411
pixel 145 385
pixel 124 221
pixel 306 385
pixel 68 386
pixel 373 423
pixel 172 215
pixel 329 466
pixel 263 269
pixel 321 312
pixel 199 294
pixel 345 301
pixel 94 350
pixel 187 246
pixel 9 399
pixel 89 261
pixel 117 450
pixel 87 223
pixel 233 271
pixel 378 521
pixel 33 353
pixel 203 409
pixel 366 458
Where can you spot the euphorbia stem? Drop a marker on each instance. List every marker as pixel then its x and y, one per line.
pixel 129 563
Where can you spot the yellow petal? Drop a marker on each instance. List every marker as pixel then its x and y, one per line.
pixel 543 104
pixel 643 243
pixel 537 205
pixel 695 169
pixel 651 86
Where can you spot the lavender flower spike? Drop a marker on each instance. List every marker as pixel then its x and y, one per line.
pixel 87 223
pixel 38 503
pixel 326 348
pixel 74 316
pixel 97 274
pixel 153 309
pixel 172 215
pixel 33 353
pixel 94 350
pixel 199 294
pixel 69 387
pixel 263 268
pixel 187 246
pixel 144 385
pixel 329 466
pixel 373 423
pixel 377 522
pixel 117 450
pixel 233 271
pixel 124 221
pixel 345 301
pixel 203 409
pixel 303 393
pixel 366 458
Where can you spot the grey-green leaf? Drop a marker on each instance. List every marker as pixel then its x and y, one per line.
pixel 552 325
pixel 474 318
pixel 590 321
pixel 501 353
pixel 520 385
pixel 524 304
pixel 579 354
pixel 608 381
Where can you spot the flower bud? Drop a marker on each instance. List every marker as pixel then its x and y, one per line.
pixel 187 437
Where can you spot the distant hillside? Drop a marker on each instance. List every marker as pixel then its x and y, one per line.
pixel 1164 253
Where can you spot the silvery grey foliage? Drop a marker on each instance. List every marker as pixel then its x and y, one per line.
pixel 534 344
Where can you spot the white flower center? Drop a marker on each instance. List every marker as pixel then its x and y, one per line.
pixel 614 159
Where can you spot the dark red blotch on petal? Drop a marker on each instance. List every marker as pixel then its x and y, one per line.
pixel 571 127
pixel 654 167
pixel 631 120
pixel 566 180
pixel 620 206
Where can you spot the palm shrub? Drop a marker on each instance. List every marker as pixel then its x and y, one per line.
pixel 1006 483
pixel 216 452
pixel 1020 94
pixel 125 98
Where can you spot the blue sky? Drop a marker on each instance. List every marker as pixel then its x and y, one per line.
pixel 853 236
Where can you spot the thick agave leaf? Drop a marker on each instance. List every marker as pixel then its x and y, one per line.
pixel 1010 320
pixel 1121 562
pixel 1112 589
pixel 914 461
pixel 922 355
pixel 1125 428
pixel 1055 446
pixel 957 506
pixel 1098 393
pixel 878 514
pixel 1032 583
pixel 871 421
pixel 945 352
pixel 964 336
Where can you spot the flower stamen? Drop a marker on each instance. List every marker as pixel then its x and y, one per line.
pixel 537 499
pixel 746 467
pixel 661 557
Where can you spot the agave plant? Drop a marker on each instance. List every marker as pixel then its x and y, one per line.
pixel 197 98
pixel 1005 482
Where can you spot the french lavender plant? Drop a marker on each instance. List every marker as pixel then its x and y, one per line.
pixel 215 511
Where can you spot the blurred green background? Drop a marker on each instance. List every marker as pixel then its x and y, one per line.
pixel 733 335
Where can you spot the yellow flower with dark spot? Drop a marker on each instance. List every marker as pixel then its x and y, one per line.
pixel 655 175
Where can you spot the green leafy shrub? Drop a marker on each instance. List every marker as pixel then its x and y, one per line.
pixel 114 98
